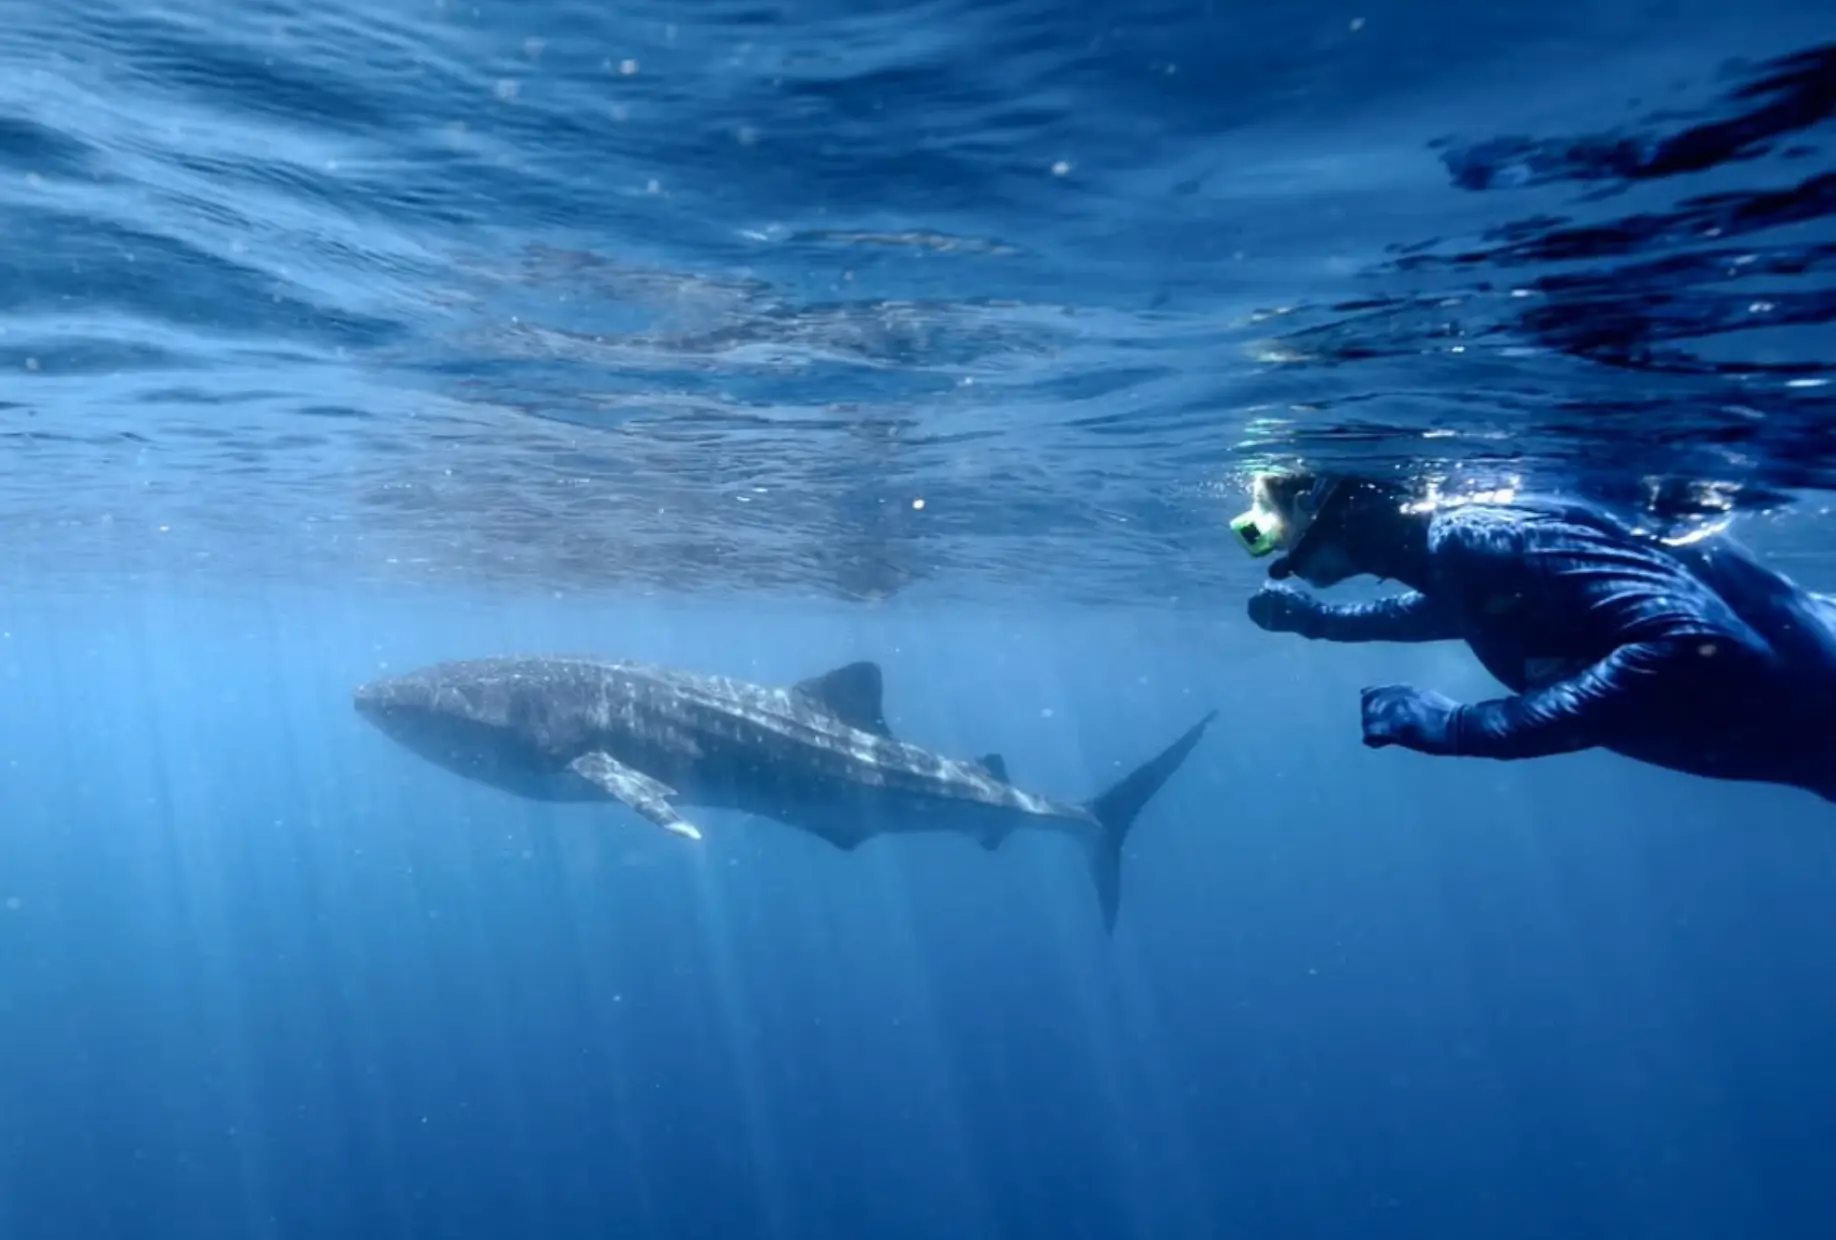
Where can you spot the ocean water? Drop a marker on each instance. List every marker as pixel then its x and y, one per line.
pixel 760 338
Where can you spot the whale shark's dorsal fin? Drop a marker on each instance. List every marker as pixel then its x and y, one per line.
pixel 995 765
pixel 852 694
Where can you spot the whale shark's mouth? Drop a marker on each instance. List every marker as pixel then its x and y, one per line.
pixel 389 704
pixel 388 694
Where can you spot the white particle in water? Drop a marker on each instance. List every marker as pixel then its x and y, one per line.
pixel 918 504
pixel 627 67
pixel 1061 168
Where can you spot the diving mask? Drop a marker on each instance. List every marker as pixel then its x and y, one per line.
pixel 1258 530
pixel 1283 511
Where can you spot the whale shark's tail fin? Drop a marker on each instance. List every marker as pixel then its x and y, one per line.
pixel 1117 809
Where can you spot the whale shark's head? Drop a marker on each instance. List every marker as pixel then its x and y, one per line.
pixel 502 722
pixel 395 700
pixel 441 717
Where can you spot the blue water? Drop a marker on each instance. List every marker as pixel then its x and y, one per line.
pixel 756 339
pixel 267 976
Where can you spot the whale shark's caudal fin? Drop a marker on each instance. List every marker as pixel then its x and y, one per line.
pixel 1117 809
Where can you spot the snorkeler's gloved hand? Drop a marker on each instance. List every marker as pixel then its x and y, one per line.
pixel 1280 608
pixel 1417 719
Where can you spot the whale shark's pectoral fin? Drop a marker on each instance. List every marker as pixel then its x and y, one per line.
pixel 649 797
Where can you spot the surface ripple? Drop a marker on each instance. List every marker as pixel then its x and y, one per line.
pixel 993 298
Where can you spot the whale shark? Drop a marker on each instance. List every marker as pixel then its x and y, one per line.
pixel 816 755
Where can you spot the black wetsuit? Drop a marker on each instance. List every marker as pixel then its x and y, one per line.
pixel 1696 658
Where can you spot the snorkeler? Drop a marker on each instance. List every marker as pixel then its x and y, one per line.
pixel 1689 656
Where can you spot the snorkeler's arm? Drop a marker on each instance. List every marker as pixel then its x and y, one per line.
pixel 1608 699
pixel 1674 644
pixel 1410 617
